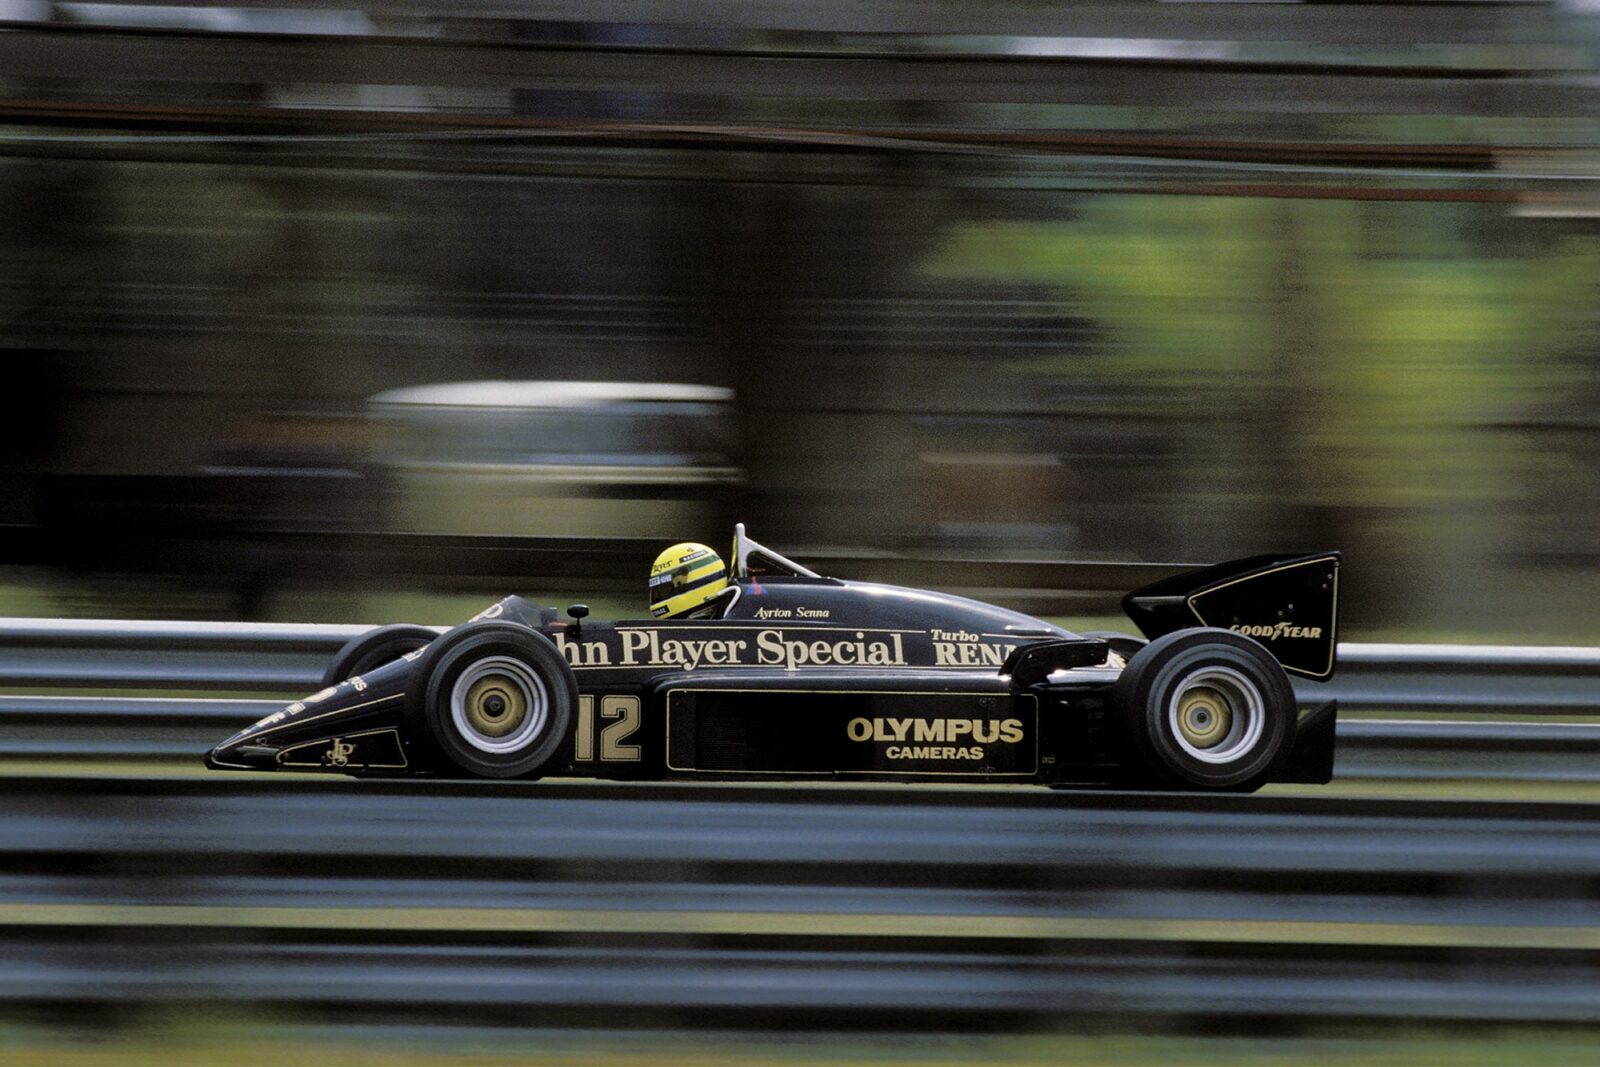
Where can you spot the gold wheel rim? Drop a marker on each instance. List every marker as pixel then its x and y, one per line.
pixel 1204 717
pixel 495 705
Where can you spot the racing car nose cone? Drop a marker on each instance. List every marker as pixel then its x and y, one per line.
pixel 236 755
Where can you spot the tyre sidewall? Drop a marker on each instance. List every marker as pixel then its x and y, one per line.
pixel 375 648
pixel 427 702
pixel 1151 679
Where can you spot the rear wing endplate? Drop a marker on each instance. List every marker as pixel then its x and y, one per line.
pixel 1288 603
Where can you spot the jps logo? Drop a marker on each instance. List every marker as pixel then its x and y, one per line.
pixel 338 753
pixel 1277 630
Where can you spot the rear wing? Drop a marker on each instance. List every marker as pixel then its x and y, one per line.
pixel 1288 603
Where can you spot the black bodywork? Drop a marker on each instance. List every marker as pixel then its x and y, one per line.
pixel 803 676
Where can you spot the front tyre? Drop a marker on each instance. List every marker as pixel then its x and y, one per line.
pixel 1208 709
pixel 494 699
pixel 383 644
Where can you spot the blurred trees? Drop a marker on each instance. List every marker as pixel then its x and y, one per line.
pixel 1104 280
pixel 1335 365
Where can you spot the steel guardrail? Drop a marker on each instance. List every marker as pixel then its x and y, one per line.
pixel 631 906
pixel 80 653
pixel 149 728
pixel 259 660
pixel 289 658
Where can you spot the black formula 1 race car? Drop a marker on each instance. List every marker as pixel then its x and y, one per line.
pixel 798 676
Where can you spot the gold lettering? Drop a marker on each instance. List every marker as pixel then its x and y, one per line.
pixel 587 654
pixel 627 709
pixel 1277 630
pixel 769 646
pixel 583 740
pixel 633 642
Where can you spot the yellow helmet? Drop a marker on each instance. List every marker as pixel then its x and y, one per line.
pixel 685 577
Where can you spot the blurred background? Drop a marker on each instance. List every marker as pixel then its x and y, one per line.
pixel 375 311
pixel 1110 281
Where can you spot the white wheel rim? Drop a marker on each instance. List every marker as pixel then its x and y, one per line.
pixel 510 680
pixel 1217 715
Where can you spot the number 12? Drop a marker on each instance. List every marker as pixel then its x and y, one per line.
pixel 626 710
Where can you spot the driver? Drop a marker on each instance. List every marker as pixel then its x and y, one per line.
pixel 685 581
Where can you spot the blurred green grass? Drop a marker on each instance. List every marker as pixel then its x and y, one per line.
pixel 202 1046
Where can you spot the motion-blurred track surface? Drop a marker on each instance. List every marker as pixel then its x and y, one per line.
pixel 635 906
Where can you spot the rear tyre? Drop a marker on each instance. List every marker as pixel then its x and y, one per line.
pixel 385 644
pixel 493 699
pixel 1207 709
